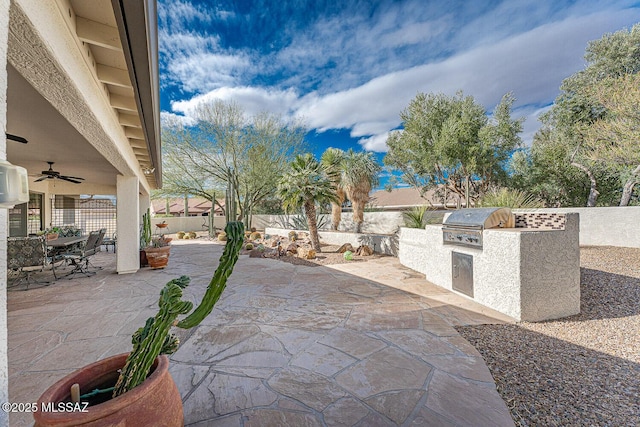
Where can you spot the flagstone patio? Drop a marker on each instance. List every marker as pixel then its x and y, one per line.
pixel 357 344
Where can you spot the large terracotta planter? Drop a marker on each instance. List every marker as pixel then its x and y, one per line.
pixel 158 257
pixel 155 402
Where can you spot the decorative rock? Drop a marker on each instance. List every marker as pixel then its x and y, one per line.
pixel 364 250
pixel 293 248
pixel 255 253
pixel 346 247
pixel 306 253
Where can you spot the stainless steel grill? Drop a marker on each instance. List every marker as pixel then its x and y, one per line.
pixel 464 227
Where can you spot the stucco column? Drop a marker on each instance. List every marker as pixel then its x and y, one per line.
pixel 128 224
pixel 4 361
pixel 145 203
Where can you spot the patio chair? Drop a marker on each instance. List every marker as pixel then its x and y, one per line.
pixel 26 256
pixel 80 260
pixel 110 241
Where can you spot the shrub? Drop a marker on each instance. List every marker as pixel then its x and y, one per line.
pixel 348 255
pixel 509 198
pixel 420 216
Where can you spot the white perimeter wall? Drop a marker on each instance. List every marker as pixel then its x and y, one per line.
pixel 607 226
pixel 610 226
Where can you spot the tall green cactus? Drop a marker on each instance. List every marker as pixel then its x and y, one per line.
pixel 145 234
pixel 154 338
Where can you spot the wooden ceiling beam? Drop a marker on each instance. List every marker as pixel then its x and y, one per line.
pixel 134 133
pixel 121 102
pixel 129 120
pixel 113 76
pixel 98 34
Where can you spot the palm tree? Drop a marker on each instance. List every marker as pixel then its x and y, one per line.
pixel 303 185
pixel 332 160
pixel 359 174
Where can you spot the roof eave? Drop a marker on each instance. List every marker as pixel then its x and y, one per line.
pixel 138 28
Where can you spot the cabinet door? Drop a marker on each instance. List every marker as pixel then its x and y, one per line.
pixel 462 273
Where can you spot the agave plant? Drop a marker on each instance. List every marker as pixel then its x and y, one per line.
pixel 509 198
pixel 420 216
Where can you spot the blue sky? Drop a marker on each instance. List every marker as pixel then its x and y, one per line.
pixel 349 67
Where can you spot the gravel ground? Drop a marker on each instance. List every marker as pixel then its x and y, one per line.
pixel 582 370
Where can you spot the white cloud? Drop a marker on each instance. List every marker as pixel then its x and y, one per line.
pixel 531 65
pixel 198 62
pixel 377 143
pixel 253 100
pixel 175 119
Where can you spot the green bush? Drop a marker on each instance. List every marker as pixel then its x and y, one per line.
pixel 348 255
pixel 509 198
pixel 420 216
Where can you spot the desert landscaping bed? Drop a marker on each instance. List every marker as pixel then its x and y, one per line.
pixel 581 370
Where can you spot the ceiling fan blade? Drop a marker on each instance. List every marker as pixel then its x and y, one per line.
pixel 42 178
pixel 67 178
pixel 72 177
pixel 16 138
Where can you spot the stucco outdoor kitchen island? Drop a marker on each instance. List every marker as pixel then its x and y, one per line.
pixel 530 272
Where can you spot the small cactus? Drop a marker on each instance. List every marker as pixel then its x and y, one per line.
pixel 293 236
pixel 192 234
pixel 348 255
pixel 248 246
pixel 255 236
pixel 222 237
pixel 181 234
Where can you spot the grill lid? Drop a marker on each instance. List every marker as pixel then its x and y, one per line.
pixel 481 218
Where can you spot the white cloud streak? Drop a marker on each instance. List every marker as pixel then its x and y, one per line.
pixel 531 65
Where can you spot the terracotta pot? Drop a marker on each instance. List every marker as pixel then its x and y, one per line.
pixel 52 236
pixel 162 225
pixel 158 257
pixel 155 402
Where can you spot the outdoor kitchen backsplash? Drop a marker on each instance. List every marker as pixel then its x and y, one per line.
pixel 540 220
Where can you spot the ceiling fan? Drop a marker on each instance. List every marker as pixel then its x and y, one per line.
pixel 51 174
pixel 16 138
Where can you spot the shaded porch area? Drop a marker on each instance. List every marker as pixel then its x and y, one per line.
pixel 367 343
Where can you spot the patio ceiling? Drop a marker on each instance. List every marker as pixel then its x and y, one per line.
pixel 51 137
pixel 97 26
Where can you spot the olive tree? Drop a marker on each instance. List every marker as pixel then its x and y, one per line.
pixel 446 141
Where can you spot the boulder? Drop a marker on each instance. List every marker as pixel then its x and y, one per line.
pixel 364 250
pixel 293 248
pixel 306 253
pixel 255 253
pixel 346 247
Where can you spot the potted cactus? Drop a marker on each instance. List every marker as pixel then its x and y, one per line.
pixel 158 252
pixel 136 388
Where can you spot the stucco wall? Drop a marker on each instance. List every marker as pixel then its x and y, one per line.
pixel 606 226
pixel 4 362
pixel 527 274
pixel 383 244
pixel 374 222
pixel 188 223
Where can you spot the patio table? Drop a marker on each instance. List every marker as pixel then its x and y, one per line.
pixel 64 242
pixel 61 245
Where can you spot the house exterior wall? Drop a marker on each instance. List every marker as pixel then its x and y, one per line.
pixel 4 361
pixel 43 50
